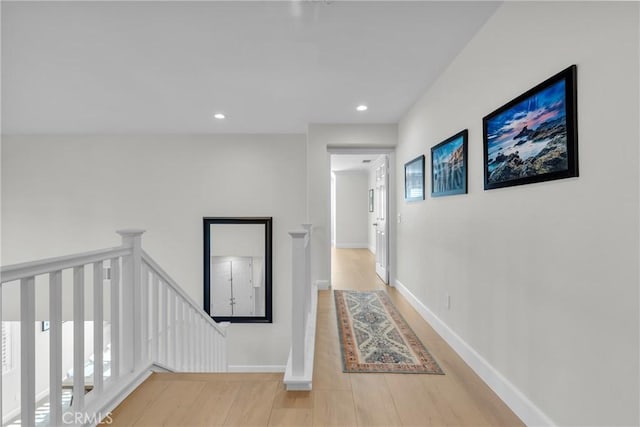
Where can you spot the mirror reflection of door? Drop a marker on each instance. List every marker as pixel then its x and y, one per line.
pixel 237 285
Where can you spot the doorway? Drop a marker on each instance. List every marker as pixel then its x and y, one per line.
pixel 361 189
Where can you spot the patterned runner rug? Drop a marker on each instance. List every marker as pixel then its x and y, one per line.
pixel 374 337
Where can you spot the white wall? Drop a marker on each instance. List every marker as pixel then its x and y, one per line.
pixel 543 278
pixel 352 209
pixel 66 194
pixel 319 136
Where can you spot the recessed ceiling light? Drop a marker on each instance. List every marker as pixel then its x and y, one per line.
pixel 219 116
pixel 362 107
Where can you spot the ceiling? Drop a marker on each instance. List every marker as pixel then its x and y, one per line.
pixel 352 162
pixel 270 67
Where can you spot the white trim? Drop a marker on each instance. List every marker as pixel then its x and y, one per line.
pixel 121 389
pixel 372 249
pixel 513 398
pixel 323 285
pixel 352 245
pixel 256 368
pixel 360 149
pixel 351 172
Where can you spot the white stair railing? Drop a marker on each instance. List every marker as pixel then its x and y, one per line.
pixel 154 325
pixel 299 371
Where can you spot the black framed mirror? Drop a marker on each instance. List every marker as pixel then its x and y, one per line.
pixel 237 269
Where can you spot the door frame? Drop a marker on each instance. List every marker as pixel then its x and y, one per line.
pixel 391 198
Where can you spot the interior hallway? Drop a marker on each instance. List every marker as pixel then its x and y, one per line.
pixel 458 398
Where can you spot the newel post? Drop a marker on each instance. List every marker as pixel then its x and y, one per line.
pixel 298 291
pixel 307 263
pixel 131 300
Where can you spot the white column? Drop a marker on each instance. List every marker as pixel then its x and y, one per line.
pixel 298 307
pixel 131 288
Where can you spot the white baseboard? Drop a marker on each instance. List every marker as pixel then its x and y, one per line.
pixel 372 249
pixel 323 285
pixel 256 368
pixel 528 412
pixel 352 245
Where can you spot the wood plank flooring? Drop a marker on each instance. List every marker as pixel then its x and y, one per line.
pixel 458 398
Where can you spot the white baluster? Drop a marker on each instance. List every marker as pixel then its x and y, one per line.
pixel 298 307
pixel 28 350
pixel 155 325
pixel 78 338
pixel 199 341
pixel 209 348
pixel 98 326
pixel 191 343
pixel 180 337
pixel 174 327
pixel 194 340
pixel 1 323
pixel 144 311
pixel 115 318
pixel 165 324
pixel 196 343
pixel 55 348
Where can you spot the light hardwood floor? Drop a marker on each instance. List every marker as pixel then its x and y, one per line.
pixel 458 398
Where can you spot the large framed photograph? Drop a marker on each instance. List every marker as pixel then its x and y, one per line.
pixel 534 137
pixel 449 166
pixel 371 200
pixel 414 179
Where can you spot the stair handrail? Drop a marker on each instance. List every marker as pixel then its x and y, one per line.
pixel 220 327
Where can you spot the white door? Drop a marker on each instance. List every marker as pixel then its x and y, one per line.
pixel 381 224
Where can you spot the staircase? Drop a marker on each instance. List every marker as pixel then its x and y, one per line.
pixel 154 326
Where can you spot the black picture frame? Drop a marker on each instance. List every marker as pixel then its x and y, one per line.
pixel 414 179
pixel 268 256
pixel 371 200
pixel 550 145
pixel 449 175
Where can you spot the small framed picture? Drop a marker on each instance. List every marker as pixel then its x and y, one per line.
pixel 449 166
pixel 45 325
pixel 534 137
pixel 371 200
pixel 414 179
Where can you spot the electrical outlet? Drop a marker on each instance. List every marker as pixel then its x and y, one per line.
pixel 399 218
